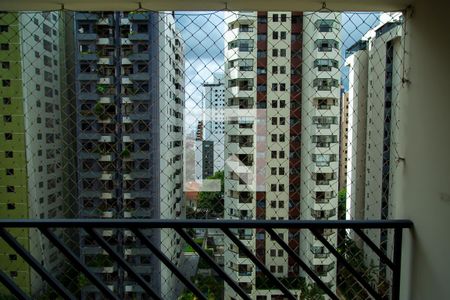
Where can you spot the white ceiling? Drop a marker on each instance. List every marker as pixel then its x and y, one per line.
pixel 195 5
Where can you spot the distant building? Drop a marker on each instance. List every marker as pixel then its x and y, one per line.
pixel 204 155
pixel 213 120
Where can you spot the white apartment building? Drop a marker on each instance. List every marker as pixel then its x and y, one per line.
pixel 373 133
pixel 374 84
pixel 320 136
pixel 213 119
pixel 267 94
pixel 356 142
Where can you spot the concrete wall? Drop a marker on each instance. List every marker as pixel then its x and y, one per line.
pixel 425 174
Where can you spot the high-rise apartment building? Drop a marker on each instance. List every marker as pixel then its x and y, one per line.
pixel 375 79
pixel 204 155
pixel 320 136
pixel 357 61
pixel 130 99
pixel 281 139
pixel 30 137
pixel 343 147
pixel 213 119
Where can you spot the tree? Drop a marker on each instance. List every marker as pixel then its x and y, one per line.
pixel 213 201
pixel 312 292
pixel 342 205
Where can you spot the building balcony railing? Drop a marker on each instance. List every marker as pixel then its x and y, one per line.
pixel 138 16
pixel 101 234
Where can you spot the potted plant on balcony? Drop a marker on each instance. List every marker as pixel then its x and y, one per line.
pixel 101 89
pixel 100 111
pixel 125 153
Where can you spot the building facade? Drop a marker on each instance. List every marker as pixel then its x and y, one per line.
pixel 213 119
pixel 130 100
pixel 320 136
pixel 343 148
pixel 204 155
pixel 30 137
pixel 357 61
pixel 281 135
pixel 375 80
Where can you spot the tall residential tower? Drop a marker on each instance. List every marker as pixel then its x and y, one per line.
pixel 30 137
pixel 213 119
pixel 281 134
pixel 130 99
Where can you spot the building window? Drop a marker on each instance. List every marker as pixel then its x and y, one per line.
pixel 5 65
pixel 273 187
pixel 8 136
pixel 6 82
pixel 274 103
pixel 274 154
pixel 9 154
pixel 9 172
pixel 10 189
pixel 275 35
pixel 7 101
pixel 13 274
pixel 12 257
pixel 4 47
pixel 4 28
pixel 262 37
pixel 283 17
pixel 283 35
pixel 7 118
pixel 274 87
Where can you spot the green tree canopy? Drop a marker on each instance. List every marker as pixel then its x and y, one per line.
pixel 213 201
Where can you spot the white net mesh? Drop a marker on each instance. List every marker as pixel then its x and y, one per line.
pixel 200 115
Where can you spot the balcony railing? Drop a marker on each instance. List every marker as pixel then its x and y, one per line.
pixel 139 228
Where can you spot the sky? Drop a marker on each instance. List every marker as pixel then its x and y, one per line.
pixel 202 34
